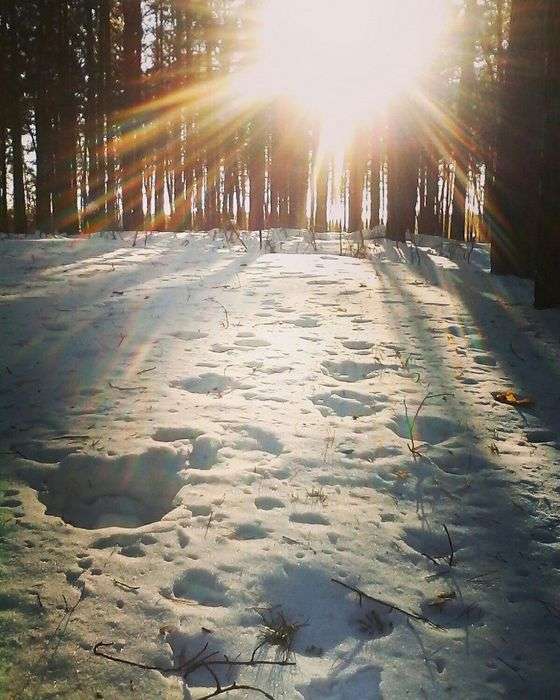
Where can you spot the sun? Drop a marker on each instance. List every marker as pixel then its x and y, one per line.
pixel 342 60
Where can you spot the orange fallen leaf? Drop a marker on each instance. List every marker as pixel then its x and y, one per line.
pixel 511 398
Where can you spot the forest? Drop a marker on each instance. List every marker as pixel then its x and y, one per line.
pixel 279 349
pixel 121 114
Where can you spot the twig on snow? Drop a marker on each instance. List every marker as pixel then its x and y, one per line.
pixel 201 660
pixel 452 553
pixel 361 595
pixel 143 371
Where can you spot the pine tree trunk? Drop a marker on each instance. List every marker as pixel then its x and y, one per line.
pixel 257 166
pixel 3 130
pixel 374 182
pixel 513 199
pixel 356 173
pixel 461 133
pixel 15 123
pixel 321 222
pixel 131 181
pixel 402 178
pixel 547 278
pixel 67 215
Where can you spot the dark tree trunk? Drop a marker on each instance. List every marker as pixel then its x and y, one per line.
pixel 428 214
pixel 513 201
pixel 3 130
pixel 93 217
pixel 256 165
pixel 15 120
pixel 66 215
pixel 547 278
pixel 321 220
pixel 356 173
pixel 374 182
pixel 461 136
pixel 131 180
pixel 402 177
pixel 106 106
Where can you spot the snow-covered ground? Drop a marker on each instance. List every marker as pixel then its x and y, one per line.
pixel 192 433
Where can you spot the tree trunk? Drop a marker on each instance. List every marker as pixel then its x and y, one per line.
pixel 15 122
pixel 131 179
pixel 402 178
pixel 513 201
pixel 356 172
pixel 461 134
pixel 374 182
pixel 321 221
pixel 547 278
pixel 256 165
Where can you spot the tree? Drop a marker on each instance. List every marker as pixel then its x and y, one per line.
pixel 513 202
pixel 547 278
pixel 462 133
pixel 402 178
pixel 11 26
pixel 130 117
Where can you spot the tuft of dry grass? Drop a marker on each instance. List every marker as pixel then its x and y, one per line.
pixel 277 631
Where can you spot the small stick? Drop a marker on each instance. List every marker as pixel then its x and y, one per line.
pixel 452 555
pixel 125 585
pixel 143 371
pixel 234 686
pixel 391 606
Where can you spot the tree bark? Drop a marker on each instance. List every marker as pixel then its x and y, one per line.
pixel 402 177
pixel 547 278
pixel 131 180
pixel 513 201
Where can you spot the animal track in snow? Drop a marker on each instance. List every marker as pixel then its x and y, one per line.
pixel 189 335
pixel 249 531
pixel 306 322
pixel 89 491
pixel 209 383
pixel 255 438
pixel 268 503
pixel 176 434
pixel 309 518
pixel 202 586
pixel 251 343
pixel 430 429
pixel 350 371
pixel 346 403
pixel 205 452
pixel 357 344
pixel 45 454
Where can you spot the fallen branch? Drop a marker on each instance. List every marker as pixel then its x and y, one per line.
pixel 201 660
pixel 361 595
pixel 234 686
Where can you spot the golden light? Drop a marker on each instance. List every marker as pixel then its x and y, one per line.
pixel 342 60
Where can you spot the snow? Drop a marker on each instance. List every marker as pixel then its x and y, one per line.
pixel 194 432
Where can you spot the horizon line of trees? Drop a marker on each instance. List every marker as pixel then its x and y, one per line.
pixel 117 114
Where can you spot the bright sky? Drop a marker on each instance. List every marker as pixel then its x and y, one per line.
pixel 342 60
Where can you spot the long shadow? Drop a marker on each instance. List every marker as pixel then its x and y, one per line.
pixel 500 560
pixel 52 374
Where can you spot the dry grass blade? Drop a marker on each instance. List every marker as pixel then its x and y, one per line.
pixel 277 631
